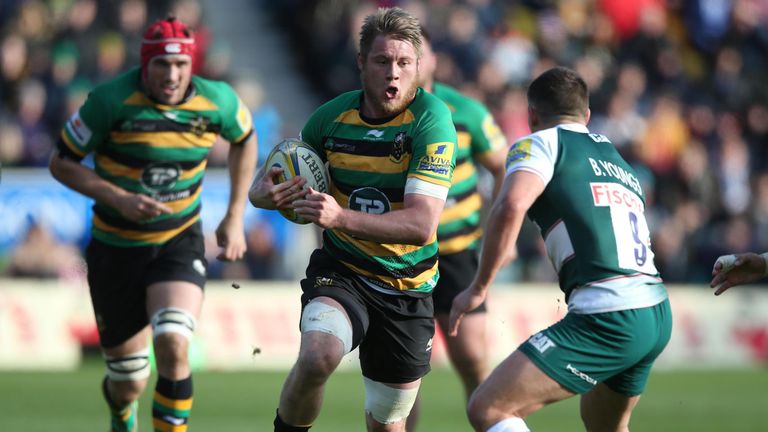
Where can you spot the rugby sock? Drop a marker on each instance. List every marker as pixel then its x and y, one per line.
pixel 172 404
pixel 513 424
pixel 281 426
pixel 122 419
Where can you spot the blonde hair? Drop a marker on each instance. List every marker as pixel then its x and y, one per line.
pixel 394 22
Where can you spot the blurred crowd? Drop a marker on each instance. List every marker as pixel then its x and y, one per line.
pixel 677 86
pixel 52 53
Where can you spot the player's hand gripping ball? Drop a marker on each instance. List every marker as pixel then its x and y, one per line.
pixel 298 158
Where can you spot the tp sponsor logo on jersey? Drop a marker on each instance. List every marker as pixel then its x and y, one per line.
pixel 161 176
pixel 541 342
pixel 79 130
pixel 369 200
pixel 438 159
pixel 520 151
pixel 581 374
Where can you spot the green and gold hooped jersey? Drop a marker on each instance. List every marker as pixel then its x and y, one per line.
pixel 477 134
pixel 369 164
pixel 591 215
pixel 153 149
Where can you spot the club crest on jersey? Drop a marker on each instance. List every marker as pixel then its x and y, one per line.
pixel 199 125
pixel 398 147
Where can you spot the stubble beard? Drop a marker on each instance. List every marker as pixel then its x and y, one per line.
pixel 395 106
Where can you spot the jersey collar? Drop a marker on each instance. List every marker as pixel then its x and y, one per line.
pixel 575 127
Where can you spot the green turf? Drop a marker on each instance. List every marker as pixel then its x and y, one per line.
pixel 733 400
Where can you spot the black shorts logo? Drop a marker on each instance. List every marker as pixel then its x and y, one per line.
pixel 160 176
pixel 369 200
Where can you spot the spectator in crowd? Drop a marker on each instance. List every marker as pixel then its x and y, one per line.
pixel 41 256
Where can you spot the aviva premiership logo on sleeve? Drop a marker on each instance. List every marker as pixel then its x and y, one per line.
pixel 520 151
pixel 244 120
pixel 78 130
pixel 437 159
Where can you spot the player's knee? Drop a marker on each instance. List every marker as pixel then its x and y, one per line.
pixel 172 320
pixel 171 348
pixel 386 404
pixel 172 329
pixel 482 413
pixel 125 392
pixel 324 318
pixel 128 368
pixel 316 364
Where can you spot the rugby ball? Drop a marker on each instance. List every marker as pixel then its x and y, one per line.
pixel 298 158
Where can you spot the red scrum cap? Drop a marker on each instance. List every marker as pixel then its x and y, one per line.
pixel 165 37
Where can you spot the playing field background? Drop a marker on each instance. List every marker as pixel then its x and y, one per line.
pixel 695 401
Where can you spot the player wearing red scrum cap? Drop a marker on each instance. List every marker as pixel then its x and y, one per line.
pixel 150 131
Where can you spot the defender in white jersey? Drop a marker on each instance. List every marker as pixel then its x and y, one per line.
pixel 589 206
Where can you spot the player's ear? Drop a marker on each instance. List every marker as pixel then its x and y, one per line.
pixel 360 61
pixel 587 116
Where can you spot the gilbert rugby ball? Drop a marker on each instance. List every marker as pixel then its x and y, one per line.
pixel 298 158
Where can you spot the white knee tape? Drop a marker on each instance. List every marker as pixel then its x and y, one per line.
pixel 386 404
pixel 321 317
pixel 510 425
pixel 131 367
pixel 173 320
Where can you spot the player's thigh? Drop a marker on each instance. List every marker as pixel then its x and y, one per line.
pixel 174 294
pixel 603 409
pixel 176 276
pixel 470 344
pixel 517 387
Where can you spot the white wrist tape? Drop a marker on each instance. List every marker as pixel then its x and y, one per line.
pixel 726 262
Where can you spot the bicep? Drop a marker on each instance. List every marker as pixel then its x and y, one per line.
pixel 521 189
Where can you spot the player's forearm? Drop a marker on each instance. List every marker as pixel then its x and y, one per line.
pixel 499 248
pixel 241 161
pixel 85 181
pixel 407 226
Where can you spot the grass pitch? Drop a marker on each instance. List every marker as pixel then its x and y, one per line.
pixel 700 401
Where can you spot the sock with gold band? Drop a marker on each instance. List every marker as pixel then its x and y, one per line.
pixel 172 404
